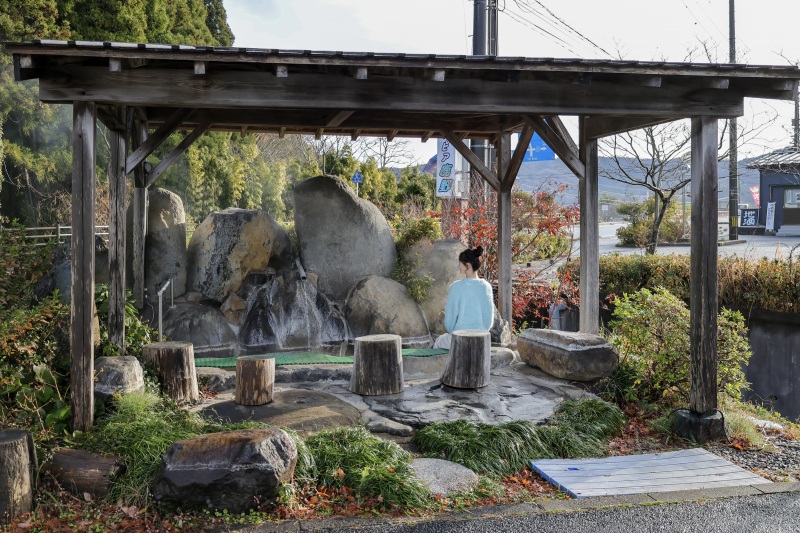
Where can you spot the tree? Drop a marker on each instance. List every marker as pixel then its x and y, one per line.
pixel 385 153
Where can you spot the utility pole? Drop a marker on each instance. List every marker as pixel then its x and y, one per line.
pixel 479 40
pixel 733 158
pixel 796 123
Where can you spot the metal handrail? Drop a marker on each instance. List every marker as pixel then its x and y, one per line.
pixel 160 300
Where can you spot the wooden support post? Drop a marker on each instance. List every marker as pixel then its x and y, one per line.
pixel 81 472
pixel 504 267
pixel 82 244
pixel 255 379
pixel 139 219
pixel 378 365
pixel 703 278
pixel 590 238
pixel 116 238
pixel 17 466
pixel 470 360
pixel 174 365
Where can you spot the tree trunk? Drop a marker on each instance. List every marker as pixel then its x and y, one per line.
pixel 255 379
pixel 470 361
pixel 174 365
pixel 17 466
pixel 82 472
pixel 659 218
pixel 378 365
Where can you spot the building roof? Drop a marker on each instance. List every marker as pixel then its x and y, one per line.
pixel 784 159
pixel 385 94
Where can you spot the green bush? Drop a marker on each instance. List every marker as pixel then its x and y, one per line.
pixel 651 333
pixel 640 223
pixel 410 232
pixel 577 429
pixel 137 333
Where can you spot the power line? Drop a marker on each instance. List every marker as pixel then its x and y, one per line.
pixel 537 28
pixel 563 23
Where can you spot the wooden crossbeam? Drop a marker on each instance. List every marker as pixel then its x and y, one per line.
pixel 473 160
pixel 281 133
pixel 392 135
pixel 159 136
pixel 427 136
pixel 177 152
pixel 557 124
pixel 597 127
pixel 318 133
pixel 338 119
pixel 559 145
pixel 355 135
pixel 516 160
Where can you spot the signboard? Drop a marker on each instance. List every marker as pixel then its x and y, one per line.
pixel 450 179
pixel 755 190
pixel 770 226
pixel 538 150
pixel 748 218
pixel 357 177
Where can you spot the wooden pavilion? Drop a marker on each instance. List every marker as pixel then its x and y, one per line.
pixel 145 92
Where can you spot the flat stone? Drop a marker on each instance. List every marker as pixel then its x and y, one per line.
pixel 775 488
pixel 567 355
pixel 594 503
pixel 444 477
pixel 434 364
pixel 216 379
pixel 380 424
pixel 704 494
pixel 306 373
pixel 305 411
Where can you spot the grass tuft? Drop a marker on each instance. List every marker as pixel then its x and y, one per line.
pixel 578 429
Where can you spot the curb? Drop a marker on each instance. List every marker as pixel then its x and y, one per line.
pixel 522 509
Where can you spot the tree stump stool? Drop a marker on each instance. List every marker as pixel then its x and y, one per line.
pixel 378 365
pixel 469 361
pixel 17 464
pixel 80 471
pixel 174 365
pixel 255 379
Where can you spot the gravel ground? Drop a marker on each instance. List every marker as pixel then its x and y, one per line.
pixel 779 460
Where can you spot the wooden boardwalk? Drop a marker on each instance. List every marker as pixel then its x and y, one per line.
pixel 635 474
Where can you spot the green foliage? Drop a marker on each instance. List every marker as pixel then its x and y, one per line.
pixel 137 333
pixel 578 429
pixel 140 429
pixel 408 233
pixel 371 467
pixel 640 216
pixel 651 333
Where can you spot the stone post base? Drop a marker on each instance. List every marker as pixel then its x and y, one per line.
pixel 699 427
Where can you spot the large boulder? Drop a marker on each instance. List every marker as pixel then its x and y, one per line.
pixel 285 311
pixel 59 277
pixel 231 470
pixel 501 331
pixel 439 261
pixel 164 245
pixel 343 239
pixel 379 305
pixel 204 326
pixel 117 375
pixel 230 244
pixel 567 355
pixel 444 477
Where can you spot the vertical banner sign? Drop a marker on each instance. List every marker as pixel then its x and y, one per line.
pixel 770 226
pixel 755 190
pixel 447 183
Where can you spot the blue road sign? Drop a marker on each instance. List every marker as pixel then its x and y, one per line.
pixel 357 177
pixel 538 151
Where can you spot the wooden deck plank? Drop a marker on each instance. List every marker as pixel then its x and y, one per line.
pixel 633 474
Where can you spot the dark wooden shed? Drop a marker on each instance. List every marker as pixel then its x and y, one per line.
pixel 144 92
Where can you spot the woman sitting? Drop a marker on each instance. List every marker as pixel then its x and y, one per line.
pixel 470 303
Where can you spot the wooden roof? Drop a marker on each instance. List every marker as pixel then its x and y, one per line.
pixel 391 95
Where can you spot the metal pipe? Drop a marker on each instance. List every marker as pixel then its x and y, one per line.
pixel 160 306
pixel 300 269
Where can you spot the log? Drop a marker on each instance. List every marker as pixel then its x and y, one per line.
pixel 470 361
pixel 173 362
pixel 378 365
pixel 17 464
pixel 255 379
pixel 81 472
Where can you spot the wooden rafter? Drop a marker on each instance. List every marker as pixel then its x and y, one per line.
pixel 516 160
pixel 559 145
pixel 338 119
pixel 177 152
pixel 159 136
pixel 597 127
pixel 473 160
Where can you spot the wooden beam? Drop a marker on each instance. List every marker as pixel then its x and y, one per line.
pixel 338 119
pixel 117 193
pixel 590 238
pixel 281 133
pixel 165 130
pixel 392 135
pixel 516 161
pixel 504 266
pixel 355 135
pixel 558 144
pixel 597 127
pixel 249 89
pixel 557 124
pixel 703 277
pixel 427 135
pixel 318 133
pixel 139 217
pixel 82 245
pixel 177 152
pixel 110 116
pixel 199 68
pixel 472 159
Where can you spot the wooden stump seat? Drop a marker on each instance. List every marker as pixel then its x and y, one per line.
pixel 378 365
pixel 469 361
pixel 255 379
pixel 174 365
pixel 81 472
pixel 17 464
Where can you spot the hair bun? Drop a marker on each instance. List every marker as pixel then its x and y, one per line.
pixel 478 251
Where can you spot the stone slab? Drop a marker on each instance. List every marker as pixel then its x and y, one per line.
pixel 567 355
pixel 776 488
pixel 705 494
pixel 444 477
pixel 594 503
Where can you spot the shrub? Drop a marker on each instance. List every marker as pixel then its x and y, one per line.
pixel 410 232
pixel 577 429
pixel 651 333
pixel 137 333
pixel 640 228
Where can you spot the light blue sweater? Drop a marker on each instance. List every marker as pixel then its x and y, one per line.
pixel 469 305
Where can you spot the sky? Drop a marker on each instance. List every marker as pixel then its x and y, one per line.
pixel 676 30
